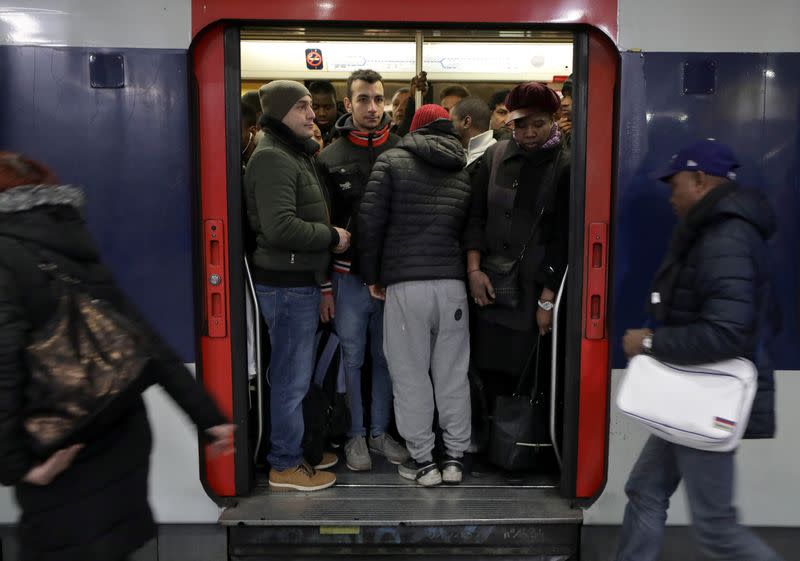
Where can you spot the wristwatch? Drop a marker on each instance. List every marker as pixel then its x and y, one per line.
pixel 546 305
pixel 647 344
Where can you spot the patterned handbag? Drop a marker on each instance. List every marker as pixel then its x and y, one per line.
pixel 83 364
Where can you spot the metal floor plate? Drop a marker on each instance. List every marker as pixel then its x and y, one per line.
pixel 382 498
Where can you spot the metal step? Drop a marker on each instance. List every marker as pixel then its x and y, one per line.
pixel 378 514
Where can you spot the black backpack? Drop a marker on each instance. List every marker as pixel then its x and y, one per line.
pixel 325 411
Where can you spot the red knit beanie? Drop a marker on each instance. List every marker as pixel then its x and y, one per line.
pixel 427 114
pixel 16 170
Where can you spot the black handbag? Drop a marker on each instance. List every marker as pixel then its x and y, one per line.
pixel 86 365
pixel 519 429
pixel 503 272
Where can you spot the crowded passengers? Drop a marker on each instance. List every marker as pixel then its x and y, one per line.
pixel 395 233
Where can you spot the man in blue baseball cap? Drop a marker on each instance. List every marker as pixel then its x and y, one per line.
pixel 711 300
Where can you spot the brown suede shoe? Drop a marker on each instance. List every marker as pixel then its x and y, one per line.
pixel 300 478
pixel 329 459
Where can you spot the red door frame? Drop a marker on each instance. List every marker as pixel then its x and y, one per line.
pixel 603 61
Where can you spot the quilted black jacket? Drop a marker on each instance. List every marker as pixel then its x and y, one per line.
pixel 715 292
pixel 414 210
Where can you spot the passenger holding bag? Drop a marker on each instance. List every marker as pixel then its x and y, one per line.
pixel 691 380
pixel 516 235
pixel 74 357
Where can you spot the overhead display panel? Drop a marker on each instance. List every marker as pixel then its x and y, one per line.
pixel 444 61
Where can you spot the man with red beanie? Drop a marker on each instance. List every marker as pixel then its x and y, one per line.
pixel 409 239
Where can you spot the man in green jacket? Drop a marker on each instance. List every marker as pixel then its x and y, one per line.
pixel 289 212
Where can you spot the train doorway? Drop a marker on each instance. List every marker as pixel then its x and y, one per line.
pixel 578 372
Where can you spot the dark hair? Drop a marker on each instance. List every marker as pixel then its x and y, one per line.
pixel 498 98
pixel 566 87
pixel 249 116
pixel 367 75
pixel 401 90
pixel 253 101
pixel 474 107
pixel 322 87
pixel 16 170
pixel 460 91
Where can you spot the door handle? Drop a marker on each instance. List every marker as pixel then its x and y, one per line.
pixel 596 279
pixel 215 285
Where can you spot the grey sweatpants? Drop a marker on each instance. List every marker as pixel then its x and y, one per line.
pixel 426 343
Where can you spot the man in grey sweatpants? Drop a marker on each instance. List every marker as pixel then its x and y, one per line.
pixel 409 230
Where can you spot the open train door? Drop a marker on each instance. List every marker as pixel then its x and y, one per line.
pixel 362 522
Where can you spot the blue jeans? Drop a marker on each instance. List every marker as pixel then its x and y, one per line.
pixel 292 316
pixel 709 479
pixel 356 314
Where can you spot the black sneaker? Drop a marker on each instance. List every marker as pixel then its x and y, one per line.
pixel 426 474
pixel 452 470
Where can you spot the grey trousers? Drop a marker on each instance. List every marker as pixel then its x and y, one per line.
pixel 426 343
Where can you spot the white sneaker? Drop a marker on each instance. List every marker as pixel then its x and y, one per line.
pixel 452 470
pixel 426 474
pixel 356 454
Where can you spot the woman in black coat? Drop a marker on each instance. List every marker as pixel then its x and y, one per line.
pixel 522 187
pixel 87 501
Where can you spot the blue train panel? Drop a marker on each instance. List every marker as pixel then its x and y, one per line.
pixel 755 107
pixel 130 148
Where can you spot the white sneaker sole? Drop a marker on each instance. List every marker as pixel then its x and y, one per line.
pixel 281 487
pixel 353 468
pixel 430 479
pixel 452 477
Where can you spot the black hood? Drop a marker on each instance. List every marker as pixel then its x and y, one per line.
pixel 50 216
pixel 438 144
pixel 730 200
pixel 345 124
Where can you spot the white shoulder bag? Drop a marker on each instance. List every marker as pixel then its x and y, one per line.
pixel 701 406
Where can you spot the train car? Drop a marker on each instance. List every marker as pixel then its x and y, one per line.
pixel 140 103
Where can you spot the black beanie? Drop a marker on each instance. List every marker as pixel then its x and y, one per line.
pixel 279 96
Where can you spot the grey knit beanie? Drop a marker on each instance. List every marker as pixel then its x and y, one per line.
pixel 279 96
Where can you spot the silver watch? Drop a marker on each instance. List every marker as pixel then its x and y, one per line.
pixel 647 343
pixel 546 305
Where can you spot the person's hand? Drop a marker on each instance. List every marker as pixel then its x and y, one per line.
pixel 564 125
pixel 632 341
pixel 344 240
pixel 480 288
pixel 544 318
pixel 377 291
pixel 419 83
pixel 221 440
pixel 327 308
pixel 45 473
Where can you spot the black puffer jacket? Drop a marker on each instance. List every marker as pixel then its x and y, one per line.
pixel 415 208
pixel 715 292
pixel 97 508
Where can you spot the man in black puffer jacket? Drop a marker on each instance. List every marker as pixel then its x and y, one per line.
pixel 410 225
pixel 712 301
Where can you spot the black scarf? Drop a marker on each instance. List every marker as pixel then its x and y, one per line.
pixel 279 129
pixel 683 237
